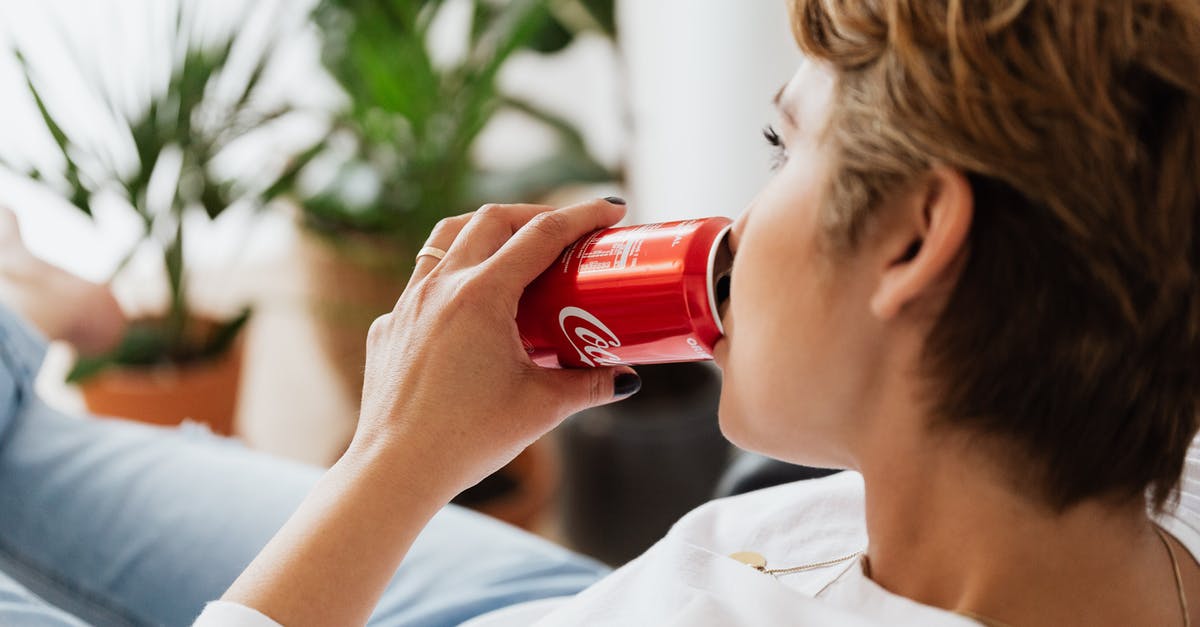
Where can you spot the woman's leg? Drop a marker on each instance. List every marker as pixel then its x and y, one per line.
pixel 123 523
pixel 19 606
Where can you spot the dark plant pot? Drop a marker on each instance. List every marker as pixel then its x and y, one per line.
pixel 205 391
pixel 633 468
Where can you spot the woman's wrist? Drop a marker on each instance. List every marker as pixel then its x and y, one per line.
pixel 357 524
pixel 401 464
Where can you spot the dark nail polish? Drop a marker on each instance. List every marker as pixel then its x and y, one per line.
pixel 616 200
pixel 626 384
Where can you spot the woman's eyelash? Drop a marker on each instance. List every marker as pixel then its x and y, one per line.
pixel 779 154
pixel 772 137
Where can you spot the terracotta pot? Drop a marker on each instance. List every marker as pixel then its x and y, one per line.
pixel 353 278
pixel 205 392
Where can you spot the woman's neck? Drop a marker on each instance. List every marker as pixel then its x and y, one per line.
pixel 949 532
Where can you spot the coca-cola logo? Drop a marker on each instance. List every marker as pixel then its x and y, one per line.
pixel 589 337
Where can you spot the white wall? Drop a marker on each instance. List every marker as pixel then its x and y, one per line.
pixel 701 78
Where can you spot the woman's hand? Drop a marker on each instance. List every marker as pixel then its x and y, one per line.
pixel 447 377
pixel 450 397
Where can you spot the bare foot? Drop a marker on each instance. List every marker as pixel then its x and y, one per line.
pixel 64 306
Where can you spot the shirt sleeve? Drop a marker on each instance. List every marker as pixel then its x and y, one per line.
pixel 226 614
pixel 1182 517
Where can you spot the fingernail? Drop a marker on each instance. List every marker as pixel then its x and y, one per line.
pixel 626 384
pixel 616 200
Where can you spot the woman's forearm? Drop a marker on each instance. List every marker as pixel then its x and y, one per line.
pixel 449 397
pixel 331 561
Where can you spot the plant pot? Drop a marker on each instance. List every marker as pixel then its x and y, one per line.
pixel 353 278
pixel 631 469
pixel 205 391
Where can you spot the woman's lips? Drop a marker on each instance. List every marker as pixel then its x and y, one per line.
pixel 722 344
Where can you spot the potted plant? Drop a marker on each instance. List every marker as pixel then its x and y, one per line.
pixel 178 364
pixel 402 149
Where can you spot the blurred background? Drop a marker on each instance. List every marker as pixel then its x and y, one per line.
pixel 253 178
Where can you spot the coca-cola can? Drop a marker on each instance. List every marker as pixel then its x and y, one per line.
pixel 646 294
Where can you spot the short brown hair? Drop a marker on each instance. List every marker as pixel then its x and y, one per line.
pixel 1073 333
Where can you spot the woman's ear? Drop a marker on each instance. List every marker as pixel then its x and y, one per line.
pixel 929 235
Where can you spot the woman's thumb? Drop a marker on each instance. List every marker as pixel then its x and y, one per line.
pixel 589 387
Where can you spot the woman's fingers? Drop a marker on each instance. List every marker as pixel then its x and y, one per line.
pixel 540 241
pixel 470 238
pixel 519 241
pixel 443 237
pixel 488 229
pixel 577 389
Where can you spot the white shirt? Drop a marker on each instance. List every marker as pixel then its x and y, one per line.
pixel 688 578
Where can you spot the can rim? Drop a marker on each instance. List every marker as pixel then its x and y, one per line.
pixel 712 285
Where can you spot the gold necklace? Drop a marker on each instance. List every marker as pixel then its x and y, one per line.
pixel 759 563
pixel 981 619
pixel 1183 607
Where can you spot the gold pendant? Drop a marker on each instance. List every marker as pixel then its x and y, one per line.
pixel 751 559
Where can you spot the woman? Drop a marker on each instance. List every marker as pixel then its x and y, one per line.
pixel 973 280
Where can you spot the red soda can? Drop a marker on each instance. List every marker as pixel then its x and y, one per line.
pixel 647 294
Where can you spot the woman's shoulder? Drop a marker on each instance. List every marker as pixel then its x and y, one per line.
pixel 811 513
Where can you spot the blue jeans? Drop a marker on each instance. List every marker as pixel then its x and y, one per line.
pixel 115 523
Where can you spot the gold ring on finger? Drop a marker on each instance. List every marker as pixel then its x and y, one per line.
pixel 431 251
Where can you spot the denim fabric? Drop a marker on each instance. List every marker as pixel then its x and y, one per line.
pixel 22 350
pixel 120 523
pixel 19 606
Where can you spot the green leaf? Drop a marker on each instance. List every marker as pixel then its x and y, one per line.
pixel 535 180
pixel 215 196
pixel 87 367
pixel 177 311
pixel 512 29
pixel 561 127
pixel 605 14
pixel 224 335
pixel 142 345
pixel 485 13
pixel 286 182
pixel 416 123
pixel 552 37
pixel 77 194
pixel 147 344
